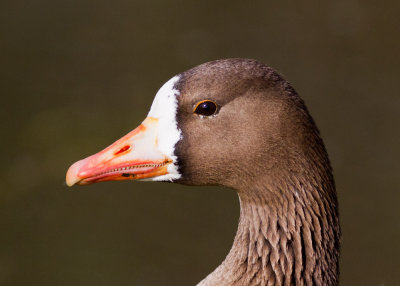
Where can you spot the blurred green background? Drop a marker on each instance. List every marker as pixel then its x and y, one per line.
pixel 76 75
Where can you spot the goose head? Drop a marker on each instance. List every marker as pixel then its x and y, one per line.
pixel 237 123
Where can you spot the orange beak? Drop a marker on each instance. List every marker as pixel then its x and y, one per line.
pixel 134 156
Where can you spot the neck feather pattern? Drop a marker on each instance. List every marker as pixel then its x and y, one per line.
pixel 285 237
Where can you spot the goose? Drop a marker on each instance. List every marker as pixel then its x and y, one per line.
pixel 237 123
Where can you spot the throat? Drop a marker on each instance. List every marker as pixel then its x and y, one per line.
pixel 282 242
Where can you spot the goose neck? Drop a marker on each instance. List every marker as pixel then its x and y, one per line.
pixel 282 239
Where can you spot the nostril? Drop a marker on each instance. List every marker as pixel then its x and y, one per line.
pixel 123 149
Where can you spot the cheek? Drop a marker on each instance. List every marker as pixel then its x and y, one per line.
pixel 209 153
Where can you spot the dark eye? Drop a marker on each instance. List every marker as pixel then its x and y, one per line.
pixel 205 108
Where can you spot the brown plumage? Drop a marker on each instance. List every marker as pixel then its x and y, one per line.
pixel 260 141
pixel 265 145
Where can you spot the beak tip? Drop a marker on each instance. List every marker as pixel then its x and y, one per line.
pixel 72 177
pixel 69 183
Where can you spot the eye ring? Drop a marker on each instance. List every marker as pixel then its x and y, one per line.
pixel 205 108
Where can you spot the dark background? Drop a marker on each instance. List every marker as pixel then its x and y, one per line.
pixel 76 75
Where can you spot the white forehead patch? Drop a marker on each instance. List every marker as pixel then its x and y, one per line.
pixel 164 108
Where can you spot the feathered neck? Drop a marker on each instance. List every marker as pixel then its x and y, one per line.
pixel 285 236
